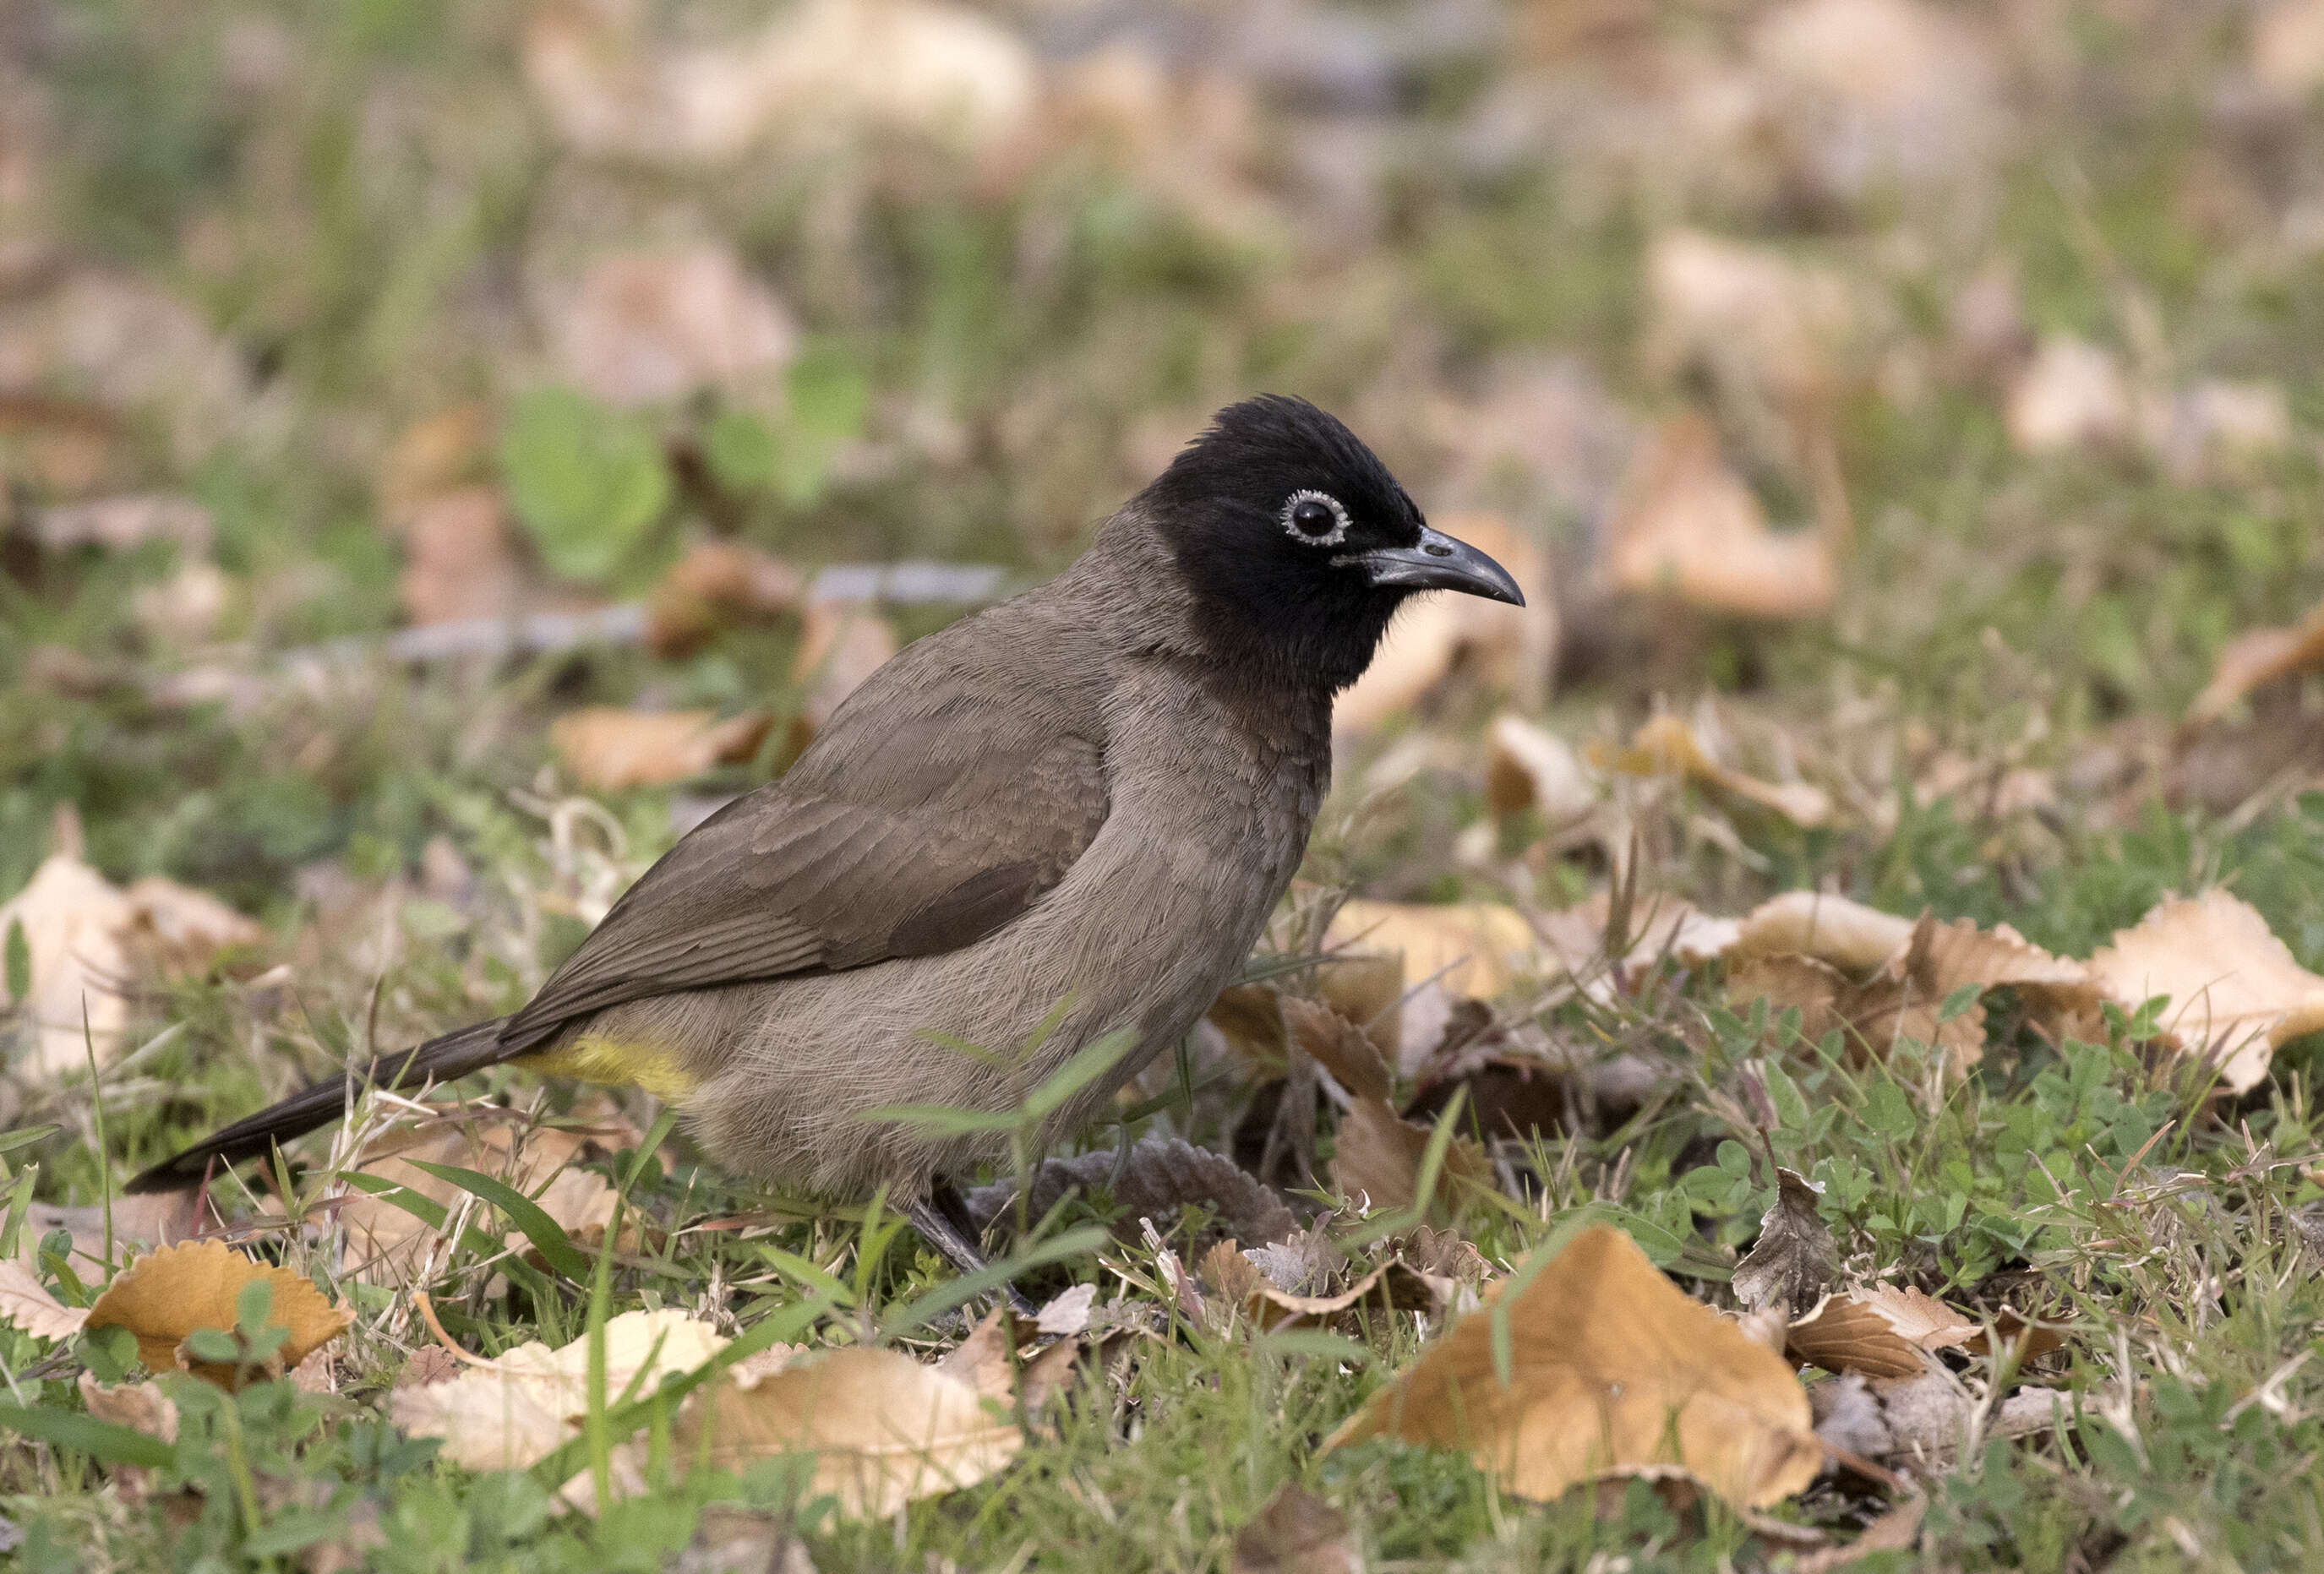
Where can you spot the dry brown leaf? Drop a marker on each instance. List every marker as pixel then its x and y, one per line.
pixel 1894 1531
pixel 169 1293
pixel 1921 1421
pixel 385 1242
pixel 1067 1312
pixel 1885 1332
pixel 1376 1160
pixel 1160 1176
pixel 995 1361
pixel 1477 948
pixel 459 557
pixel 435 454
pixel 1752 312
pixel 1509 648
pixel 2255 659
pixel 1688 526
pixel 1298 1533
pixel 523 1404
pixel 886 1431
pixel 25 1301
pixel 2072 394
pixel 1249 1016
pixel 1659 926
pixel 608 749
pixel 88 939
pixel 1530 766
pixel 1612 1366
pixel 1240 1283
pixel 1667 746
pixel 1339 1046
pixel 1903 998
pixel 1792 1264
pixel 718 581
pixel 650 327
pixel 1832 929
pixel 2236 993
pixel 1367 988
pixel 140 1406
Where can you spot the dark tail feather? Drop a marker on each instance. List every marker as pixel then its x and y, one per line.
pixel 439 1059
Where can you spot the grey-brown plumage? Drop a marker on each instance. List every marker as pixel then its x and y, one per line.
pixel 1091 795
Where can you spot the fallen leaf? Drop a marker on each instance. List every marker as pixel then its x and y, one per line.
pixel 1904 998
pixel 437 454
pixel 2253 659
pixel 1759 317
pixel 1509 648
pixel 140 1406
pixel 88 940
pixel 1894 1531
pixel 1530 766
pixel 1881 1332
pixel 120 524
pixel 1688 526
pixel 650 327
pixel 1611 1366
pixel 1658 926
pixel 1240 1283
pixel 25 1301
pixel 2072 394
pixel 2235 992
pixel 2287 47
pixel 1249 1016
pixel 1065 1313
pixel 526 1402
pixel 459 557
pixel 1375 1159
pixel 1667 746
pixel 716 583
pixel 1298 1533
pixel 1159 1176
pixel 1845 934
pixel 1793 1261
pixel 385 1242
pixel 609 749
pixel 1339 1046
pixel 1477 948
pixel 169 1294
pixel 1922 1421
pixel 886 1431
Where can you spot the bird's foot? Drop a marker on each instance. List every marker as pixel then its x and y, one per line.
pixel 939 1228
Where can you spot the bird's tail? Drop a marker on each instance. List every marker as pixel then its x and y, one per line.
pixel 439 1059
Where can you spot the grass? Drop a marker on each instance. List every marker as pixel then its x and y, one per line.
pixel 359 267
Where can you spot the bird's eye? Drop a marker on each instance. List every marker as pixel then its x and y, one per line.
pixel 1315 518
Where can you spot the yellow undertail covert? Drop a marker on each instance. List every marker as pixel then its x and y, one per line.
pixel 654 1067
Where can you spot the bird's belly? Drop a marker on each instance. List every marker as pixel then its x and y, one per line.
pixel 1139 936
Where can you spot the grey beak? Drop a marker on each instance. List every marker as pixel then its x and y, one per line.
pixel 1438 562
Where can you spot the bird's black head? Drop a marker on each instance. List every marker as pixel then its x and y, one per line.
pixel 1296 539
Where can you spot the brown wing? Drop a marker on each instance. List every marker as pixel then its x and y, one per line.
pixel 918 828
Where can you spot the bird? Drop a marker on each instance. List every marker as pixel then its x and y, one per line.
pixel 1061 821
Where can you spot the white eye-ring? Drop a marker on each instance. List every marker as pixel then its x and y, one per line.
pixel 1316 519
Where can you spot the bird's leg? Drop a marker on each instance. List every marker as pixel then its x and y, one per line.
pixel 942 1220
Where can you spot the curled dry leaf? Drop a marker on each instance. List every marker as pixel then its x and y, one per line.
pixel 1530 766
pixel 1376 1161
pixel 1903 998
pixel 1832 929
pixel 1298 1533
pixel 715 583
pixel 1612 1367
pixel 1249 1016
pixel 1067 1312
pixel 1793 1261
pixel 169 1293
pixel 1667 746
pixel 885 1430
pixel 1241 1284
pixel 608 749
pixel 994 1361
pixel 649 327
pixel 86 939
pixel 2235 992
pixel 140 1406
pixel 1689 526
pixel 25 1301
pixel 1922 1420
pixel 1159 1176
pixel 2255 659
pixel 1657 926
pixel 1339 1046
pixel 1886 1331
pixel 1508 648
pixel 1477 948
pixel 525 1404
